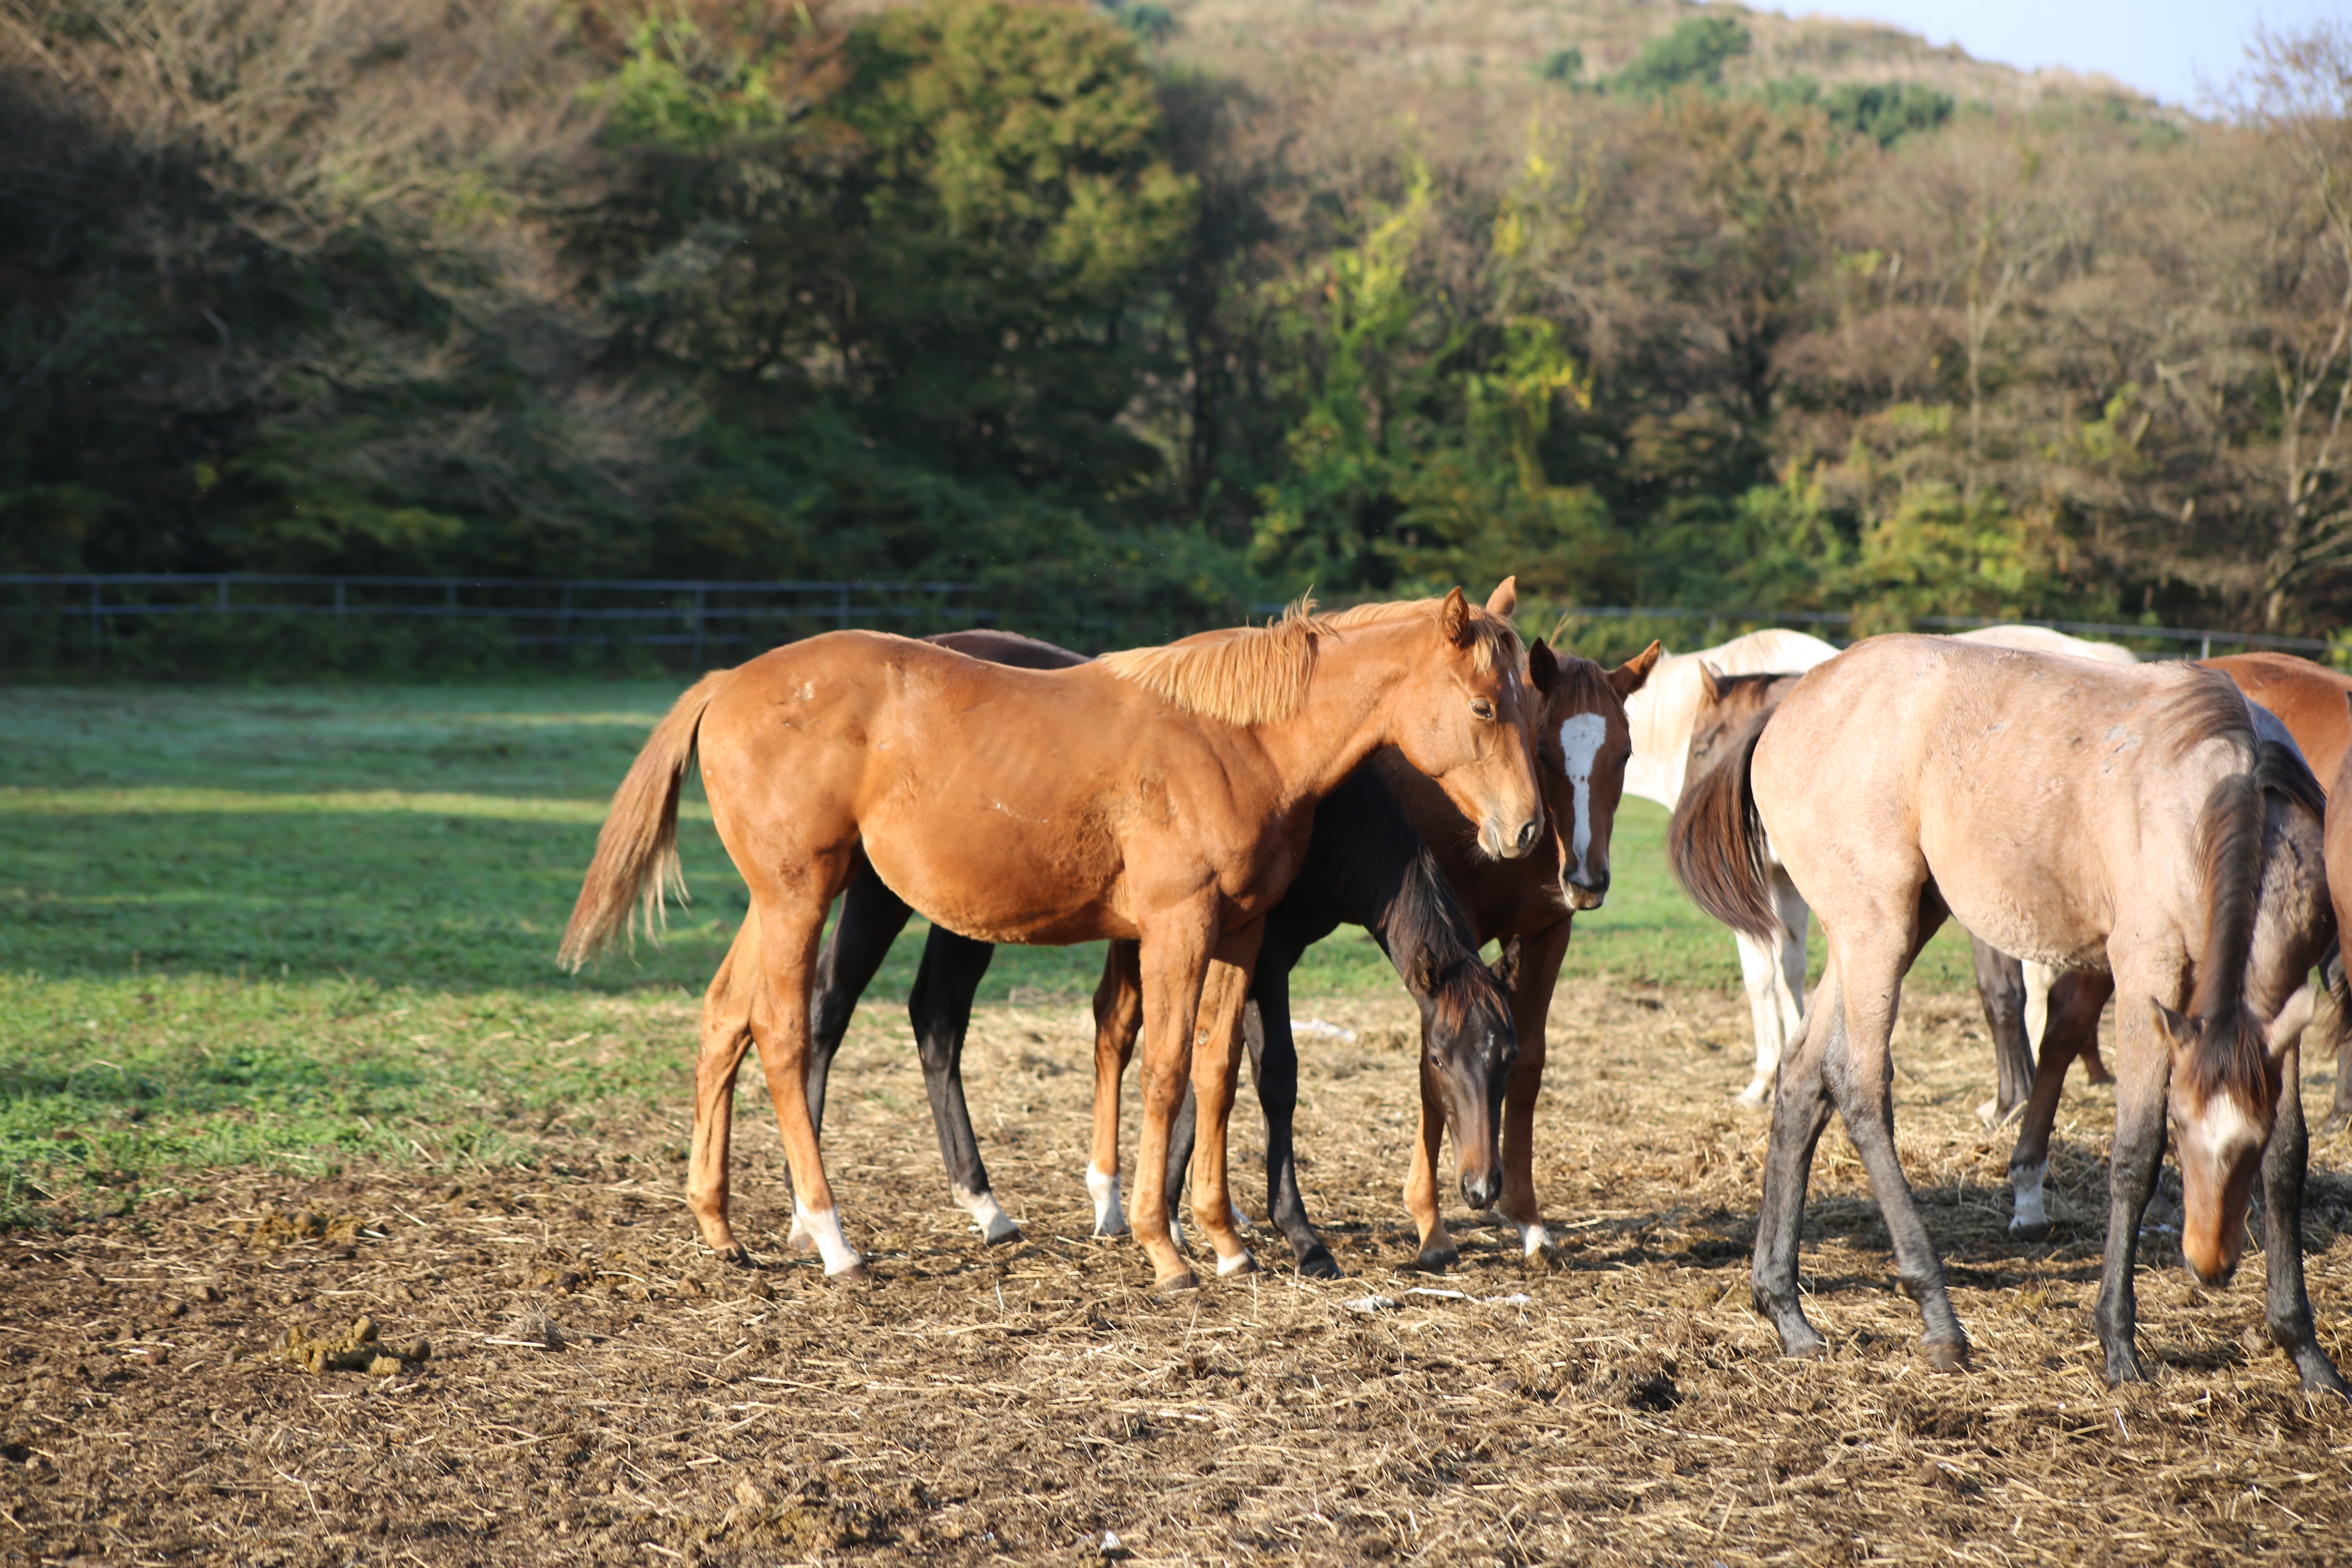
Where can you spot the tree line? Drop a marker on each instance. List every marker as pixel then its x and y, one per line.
pixel 1029 294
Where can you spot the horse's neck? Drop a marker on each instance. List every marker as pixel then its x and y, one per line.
pixel 1348 713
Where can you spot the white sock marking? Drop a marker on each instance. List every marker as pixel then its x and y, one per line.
pixel 1533 1238
pixel 1581 735
pixel 1109 1218
pixel 1238 1262
pixel 2027 1183
pixel 824 1224
pixel 995 1224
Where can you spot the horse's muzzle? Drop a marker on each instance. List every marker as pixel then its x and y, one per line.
pixel 1586 893
pixel 1481 1190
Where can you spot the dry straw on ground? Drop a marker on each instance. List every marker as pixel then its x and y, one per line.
pixel 599 1391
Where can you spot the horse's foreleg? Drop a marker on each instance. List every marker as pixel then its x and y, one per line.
pixel 1437 1249
pixel 1216 1070
pixel 1174 962
pixel 2040 980
pixel 1119 1020
pixel 725 1035
pixel 790 924
pixel 940 1008
pixel 2287 1301
pixel 1759 962
pixel 2077 1002
pixel 1533 979
pixel 2145 1059
pixel 2000 989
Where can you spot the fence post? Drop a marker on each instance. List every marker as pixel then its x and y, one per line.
pixel 2205 648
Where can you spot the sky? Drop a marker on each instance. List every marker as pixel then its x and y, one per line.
pixel 2156 46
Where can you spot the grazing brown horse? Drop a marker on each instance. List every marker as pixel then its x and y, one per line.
pixel 2092 818
pixel 1160 794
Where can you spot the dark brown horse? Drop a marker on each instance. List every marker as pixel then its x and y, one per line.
pixel 1161 795
pixel 2092 818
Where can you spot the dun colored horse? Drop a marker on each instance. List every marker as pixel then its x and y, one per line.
pixel 1363 864
pixel 1160 795
pixel 2123 820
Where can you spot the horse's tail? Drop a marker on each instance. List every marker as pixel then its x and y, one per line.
pixel 2229 1052
pixel 1716 842
pixel 635 867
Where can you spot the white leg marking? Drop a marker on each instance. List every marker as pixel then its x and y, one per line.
pixel 1581 735
pixel 1757 969
pixel 1235 1264
pixel 995 1224
pixel 1533 1238
pixel 1109 1218
pixel 798 1239
pixel 2026 1182
pixel 2039 979
pixel 824 1224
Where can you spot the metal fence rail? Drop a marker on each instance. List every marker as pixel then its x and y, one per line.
pixel 538 612
pixel 702 614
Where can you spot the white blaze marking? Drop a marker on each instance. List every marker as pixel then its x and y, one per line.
pixel 824 1226
pixel 1533 1238
pixel 1109 1218
pixel 1581 735
pixel 2026 1181
pixel 995 1224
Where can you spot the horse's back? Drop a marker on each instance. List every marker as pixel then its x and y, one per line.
pixel 2036 791
pixel 2041 639
pixel 2309 699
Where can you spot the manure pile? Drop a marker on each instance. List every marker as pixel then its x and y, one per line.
pixel 551 1371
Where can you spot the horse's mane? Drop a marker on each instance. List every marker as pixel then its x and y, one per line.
pixel 1259 675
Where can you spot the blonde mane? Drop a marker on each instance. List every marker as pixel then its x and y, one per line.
pixel 1254 674
pixel 1259 675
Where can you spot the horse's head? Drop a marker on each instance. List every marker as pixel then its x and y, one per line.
pixel 2221 1128
pixel 1467 1050
pixel 1582 744
pixel 1466 719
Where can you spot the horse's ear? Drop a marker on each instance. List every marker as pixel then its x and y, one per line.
pixel 1504 600
pixel 1543 667
pixel 1710 683
pixel 1634 673
pixel 2177 1027
pixel 1454 615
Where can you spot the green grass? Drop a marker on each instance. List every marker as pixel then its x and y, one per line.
pixel 294 927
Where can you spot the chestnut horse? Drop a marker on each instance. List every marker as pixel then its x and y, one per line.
pixel 1364 863
pixel 1160 794
pixel 2091 817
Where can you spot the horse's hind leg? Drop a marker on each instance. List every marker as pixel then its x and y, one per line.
pixel 791 917
pixel 725 1035
pixel 1274 1063
pixel 1536 976
pixel 2075 1003
pixel 2287 1304
pixel 1119 1020
pixel 1801 1111
pixel 941 1007
pixel 1759 958
pixel 1859 1069
pixel 2000 987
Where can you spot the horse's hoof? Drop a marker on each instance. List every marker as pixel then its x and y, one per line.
pixel 2038 1230
pixel 1438 1259
pixel 1812 1348
pixel 801 1240
pixel 1751 1098
pixel 1239 1263
pixel 854 1275
pixel 1105 1229
pixel 1317 1263
pixel 1545 1259
pixel 1004 1238
pixel 2337 1121
pixel 1946 1355
pixel 730 1251
pixel 1176 1284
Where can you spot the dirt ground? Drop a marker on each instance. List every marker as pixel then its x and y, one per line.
pixel 598 1390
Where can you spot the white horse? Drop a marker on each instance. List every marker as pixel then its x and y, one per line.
pixel 1662 716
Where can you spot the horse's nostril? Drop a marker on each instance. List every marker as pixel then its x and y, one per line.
pixel 1527 839
pixel 1480 1192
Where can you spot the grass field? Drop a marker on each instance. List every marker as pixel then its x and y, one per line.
pixel 299 926
pixel 285 1064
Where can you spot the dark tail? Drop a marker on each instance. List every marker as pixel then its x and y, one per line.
pixel 636 867
pixel 1716 842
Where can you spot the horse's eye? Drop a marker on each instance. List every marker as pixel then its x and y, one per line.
pixel 1483 709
